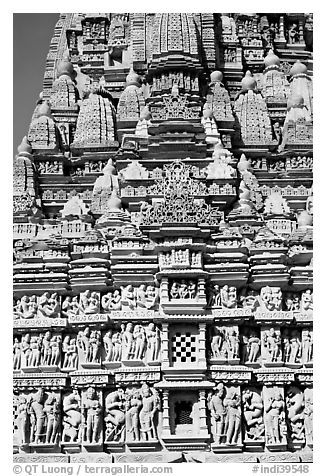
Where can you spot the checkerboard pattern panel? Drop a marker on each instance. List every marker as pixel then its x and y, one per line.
pixel 184 347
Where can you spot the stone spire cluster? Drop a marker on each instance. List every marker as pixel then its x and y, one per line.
pixel 163 217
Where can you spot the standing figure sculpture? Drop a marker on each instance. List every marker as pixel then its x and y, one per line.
pixel 23 419
pixel 274 417
pixel 232 344
pixel 128 342
pixel 153 337
pixel 38 417
pixel 132 406
pixel 52 410
pixel 218 413
pixel 108 346
pixel 139 342
pixel 272 342
pixel 307 347
pixel 150 401
pixel 91 410
pixel 17 354
pixel 233 418
pixel 253 347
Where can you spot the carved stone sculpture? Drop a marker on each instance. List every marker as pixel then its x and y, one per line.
pixel 72 417
pixel 53 414
pixel 271 346
pixel 295 413
pixel 218 413
pixel 275 418
pixel 92 411
pixel 253 414
pixel 23 419
pixel 150 405
pixel 115 416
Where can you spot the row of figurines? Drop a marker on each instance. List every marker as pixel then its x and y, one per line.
pixel 271 415
pixel 139 343
pixel 146 296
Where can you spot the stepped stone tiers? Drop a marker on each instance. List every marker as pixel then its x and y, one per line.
pixel 163 216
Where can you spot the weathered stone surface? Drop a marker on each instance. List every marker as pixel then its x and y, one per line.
pixel 163 217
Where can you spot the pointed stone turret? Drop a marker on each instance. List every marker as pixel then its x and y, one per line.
pixel 24 179
pixel 64 94
pixel 95 125
pixel 301 84
pixel 219 100
pixel 43 133
pixel 297 130
pixel 253 127
pixel 131 101
pixel 275 86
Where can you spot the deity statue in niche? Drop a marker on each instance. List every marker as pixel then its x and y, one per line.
pixel 274 418
pixel 115 418
pixel 72 417
pixel 253 409
pixel 92 411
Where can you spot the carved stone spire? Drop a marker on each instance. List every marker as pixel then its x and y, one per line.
pixel 253 125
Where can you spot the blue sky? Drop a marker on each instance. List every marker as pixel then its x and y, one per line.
pixel 32 33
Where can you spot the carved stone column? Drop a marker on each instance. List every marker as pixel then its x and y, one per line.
pixel 164 289
pixel 281 36
pixel 202 344
pixel 166 414
pixel 202 412
pixel 165 345
pixel 201 289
